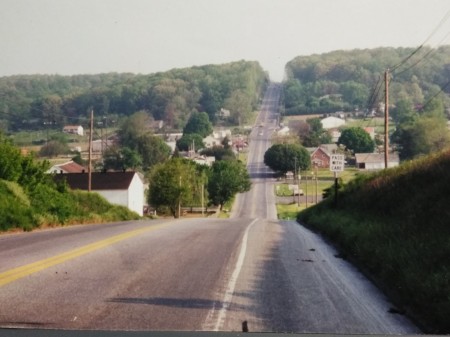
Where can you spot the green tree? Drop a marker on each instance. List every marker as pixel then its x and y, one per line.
pixel 10 160
pixel 227 177
pixel 403 112
pixel 133 128
pixel 53 148
pixel 119 159
pixel 219 153
pixel 357 140
pixel 186 141
pixel 422 136
pixel 314 134
pixel 152 150
pixel 287 157
pixel 199 124
pixel 171 185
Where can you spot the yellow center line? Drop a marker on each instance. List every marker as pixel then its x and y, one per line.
pixel 28 269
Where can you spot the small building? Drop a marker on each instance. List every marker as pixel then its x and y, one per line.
pixel 224 113
pixel 74 129
pixel 320 156
pixel 332 122
pixel 371 131
pixel 67 167
pixel 120 188
pixel 204 160
pixel 375 161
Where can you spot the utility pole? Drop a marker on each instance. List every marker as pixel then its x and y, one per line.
pixel 386 119
pixel 179 201
pixel 306 190
pixel 316 181
pixel 203 197
pixel 90 151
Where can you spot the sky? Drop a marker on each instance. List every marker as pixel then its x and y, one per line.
pixel 146 36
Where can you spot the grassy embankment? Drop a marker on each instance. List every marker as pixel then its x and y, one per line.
pixel 395 225
pixel 46 207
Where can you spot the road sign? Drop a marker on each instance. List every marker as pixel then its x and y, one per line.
pixel 337 163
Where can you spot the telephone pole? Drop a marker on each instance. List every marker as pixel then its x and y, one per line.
pixel 386 119
pixel 91 130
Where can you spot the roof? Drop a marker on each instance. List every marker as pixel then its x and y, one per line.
pixel 100 180
pixel 329 148
pixel 72 126
pixel 69 167
pixel 332 122
pixel 375 157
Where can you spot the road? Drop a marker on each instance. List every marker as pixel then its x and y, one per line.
pixel 192 274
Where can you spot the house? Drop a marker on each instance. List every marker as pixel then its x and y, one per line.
pixel 224 113
pixel 204 160
pixel 335 135
pixel 371 131
pixel 211 141
pixel 217 137
pixel 332 122
pixel 67 167
pixel 320 156
pixel 120 188
pixel 74 129
pixel 156 125
pixel 375 161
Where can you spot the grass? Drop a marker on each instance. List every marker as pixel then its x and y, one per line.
pixel 395 225
pixel 289 212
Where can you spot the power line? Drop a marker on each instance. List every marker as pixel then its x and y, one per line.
pixel 431 51
pixel 375 94
pixel 432 97
pixel 445 18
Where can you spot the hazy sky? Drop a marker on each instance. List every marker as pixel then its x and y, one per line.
pixel 146 36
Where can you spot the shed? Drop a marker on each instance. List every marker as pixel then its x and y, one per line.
pixel 375 161
pixel 120 188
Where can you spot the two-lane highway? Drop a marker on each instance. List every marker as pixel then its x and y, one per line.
pixel 192 274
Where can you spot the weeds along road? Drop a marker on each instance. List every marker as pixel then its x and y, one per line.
pixel 192 274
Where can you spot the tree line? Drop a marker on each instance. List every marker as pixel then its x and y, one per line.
pixel 345 80
pixel 352 81
pixel 31 101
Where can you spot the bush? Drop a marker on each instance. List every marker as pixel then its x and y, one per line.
pixel 14 210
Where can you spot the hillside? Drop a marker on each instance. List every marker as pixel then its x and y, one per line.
pixel 31 101
pixel 395 225
pixel 347 80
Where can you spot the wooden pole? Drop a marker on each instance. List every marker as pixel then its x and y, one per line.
pixel 386 119
pixel 90 151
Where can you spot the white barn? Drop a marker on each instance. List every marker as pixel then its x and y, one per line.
pixel 332 122
pixel 375 161
pixel 120 188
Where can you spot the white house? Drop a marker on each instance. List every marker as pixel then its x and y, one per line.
pixel 332 122
pixel 120 188
pixel 375 161
pixel 74 129
pixel 204 160
pixel 216 138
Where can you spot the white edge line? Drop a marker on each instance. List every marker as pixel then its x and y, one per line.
pixel 233 279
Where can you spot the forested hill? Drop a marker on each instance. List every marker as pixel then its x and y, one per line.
pixel 29 101
pixel 347 80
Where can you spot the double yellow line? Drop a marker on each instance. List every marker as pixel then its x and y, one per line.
pixel 28 269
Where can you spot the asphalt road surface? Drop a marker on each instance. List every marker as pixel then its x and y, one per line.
pixel 192 274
